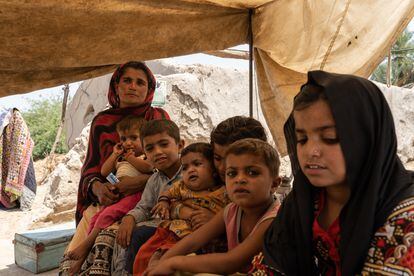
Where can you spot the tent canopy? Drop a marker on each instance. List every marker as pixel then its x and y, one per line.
pixel 47 43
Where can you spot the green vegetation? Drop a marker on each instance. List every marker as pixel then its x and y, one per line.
pixel 402 62
pixel 43 118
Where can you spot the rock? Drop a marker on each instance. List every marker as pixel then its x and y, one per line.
pixel 401 102
pixel 62 183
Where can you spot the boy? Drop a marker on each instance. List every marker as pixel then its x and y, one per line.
pixel 162 146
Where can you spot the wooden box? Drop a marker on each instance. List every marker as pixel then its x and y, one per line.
pixel 41 250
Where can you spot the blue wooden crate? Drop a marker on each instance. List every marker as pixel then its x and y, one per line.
pixel 41 250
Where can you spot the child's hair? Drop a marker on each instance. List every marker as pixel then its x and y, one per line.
pixel 159 126
pixel 236 128
pixel 309 93
pixel 204 149
pixel 258 148
pixel 130 122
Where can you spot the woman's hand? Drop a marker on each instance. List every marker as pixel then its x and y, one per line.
pixel 123 236
pixel 162 209
pixel 200 216
pixel 105 193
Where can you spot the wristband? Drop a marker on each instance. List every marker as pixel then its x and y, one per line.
pixel 164 198
pixel 177 210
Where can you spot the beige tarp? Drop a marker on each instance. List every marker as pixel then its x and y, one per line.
pixel 46 42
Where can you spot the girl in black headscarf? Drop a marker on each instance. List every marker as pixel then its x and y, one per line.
pixel 351 210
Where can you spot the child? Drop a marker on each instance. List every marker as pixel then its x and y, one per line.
pixel 197 187
pixel 162 146
pixel 350 210
pixel 125 158
pixel 221 137
pixel 251 179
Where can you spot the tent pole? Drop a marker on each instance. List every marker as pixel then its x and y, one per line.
pixel 250 64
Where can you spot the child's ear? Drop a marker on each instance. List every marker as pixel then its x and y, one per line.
pixel 181 145
pixel 275 183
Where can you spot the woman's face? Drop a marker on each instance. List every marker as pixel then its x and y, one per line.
pixel 132 88
pixel 318 148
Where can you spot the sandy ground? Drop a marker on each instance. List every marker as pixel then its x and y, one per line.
pixel 16 221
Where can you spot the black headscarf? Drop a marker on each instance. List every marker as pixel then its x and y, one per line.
pixel 375 174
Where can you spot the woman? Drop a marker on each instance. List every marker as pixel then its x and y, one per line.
pixel 131 91
pixel 350 208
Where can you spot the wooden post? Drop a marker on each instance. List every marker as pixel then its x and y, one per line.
pixel 62 121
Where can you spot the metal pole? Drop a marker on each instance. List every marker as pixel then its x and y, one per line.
pixel 250 64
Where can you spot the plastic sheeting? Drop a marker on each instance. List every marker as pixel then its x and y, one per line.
pixel 46 43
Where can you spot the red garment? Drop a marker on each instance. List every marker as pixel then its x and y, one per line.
pixel 163 239
pixel 103 137
pixel 111 214
pixel 326 242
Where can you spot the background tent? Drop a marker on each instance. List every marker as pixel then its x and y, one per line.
pixel 47 43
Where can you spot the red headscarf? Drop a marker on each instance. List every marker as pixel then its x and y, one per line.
pixel 103 135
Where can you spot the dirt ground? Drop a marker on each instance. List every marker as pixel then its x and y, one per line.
pixel 16 221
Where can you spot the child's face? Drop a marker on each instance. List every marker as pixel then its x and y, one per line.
pixel 162 150
pixel 249 182
pixel 318 148
pixel 197 172
pixel 219 154
pixel 130 141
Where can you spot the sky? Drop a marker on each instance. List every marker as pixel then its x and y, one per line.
pixel 22 101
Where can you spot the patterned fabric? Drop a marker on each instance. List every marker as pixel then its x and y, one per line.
pixel 392 248
pixel 15 155
pixel 259 268
pixel 213 201
pixel 103 137
pixel 98 261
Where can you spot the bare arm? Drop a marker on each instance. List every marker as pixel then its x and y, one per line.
pixel 218 263
pixel 140 164
pixel 199 238
pixel 110 163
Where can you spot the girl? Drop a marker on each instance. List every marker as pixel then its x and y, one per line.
pixel 251 179
pixel 198 187
pixel 350 208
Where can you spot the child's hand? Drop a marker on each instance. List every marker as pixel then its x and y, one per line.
pixel 162 209
pixel 200 216
pixel 123 236
pixel 162 268
pixel 130 154
pixel 118 149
